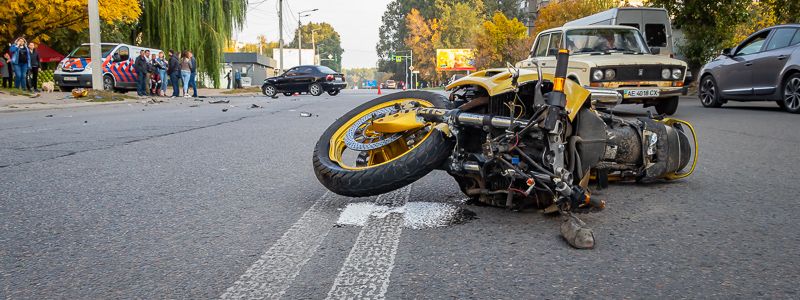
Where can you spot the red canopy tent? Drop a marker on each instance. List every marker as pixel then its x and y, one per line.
pixel 47 54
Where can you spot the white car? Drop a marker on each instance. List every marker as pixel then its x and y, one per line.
pixel 614 57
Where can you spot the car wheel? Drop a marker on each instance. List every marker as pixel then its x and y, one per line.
pixel 708 92
pixel 287 94
pixel 791 94
pixel 315 89
pixel 269 90
pixel 668 106
pixel 108 83
pixel 333 92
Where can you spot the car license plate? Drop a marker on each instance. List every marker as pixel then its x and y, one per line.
pixel 70 78
pixel 641 93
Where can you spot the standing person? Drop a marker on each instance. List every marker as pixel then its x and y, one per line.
pixel 21 61
pixel 186 72
pixel 193 76
pixel 140 66
pixel 155 79
pixel 228 76
pixel 35 63
pixel 162 72
pixel 5 70
pixel 147 71
pixel 237 82
pixel 173 70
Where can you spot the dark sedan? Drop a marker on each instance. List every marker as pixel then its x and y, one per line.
pixel 765 67
pixel 314 80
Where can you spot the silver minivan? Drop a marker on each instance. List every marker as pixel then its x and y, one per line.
pixel 654 23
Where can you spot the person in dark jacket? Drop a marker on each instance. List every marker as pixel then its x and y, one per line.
pixel 193 76
pixel 173 71
pixel 35 63
pixel 21 61
pixel 140 66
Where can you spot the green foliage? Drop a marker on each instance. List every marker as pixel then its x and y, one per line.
pixel 558 12
pixel 512 9
pixel 355 76
pixel 457 24
pixel 786 11
pixel 708 26
pixel 327 40
pixel 201 26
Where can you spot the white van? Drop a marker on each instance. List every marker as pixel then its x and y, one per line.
pixel 654 23
pixel 118 73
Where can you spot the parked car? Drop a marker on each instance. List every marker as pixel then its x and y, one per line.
pixel 391 84
pixel 654 24
pixel 764 67
pixel 117 67
pixel 614 57
pixel 314 80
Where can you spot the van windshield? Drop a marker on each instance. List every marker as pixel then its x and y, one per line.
pixel 84 51
pixel 605 40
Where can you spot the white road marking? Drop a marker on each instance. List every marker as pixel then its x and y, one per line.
pixel 416 215
pixel 271 275
pixel 365 273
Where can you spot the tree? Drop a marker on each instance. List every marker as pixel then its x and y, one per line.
pixel 37 19
pixel 760 15
pixel 501 40
pixel 708 26
pixel 328 42
pixel 512 9
pixel 458 24
pixel 202 26
pixel 559 12
pixel 785 11
pixel 261 46
pixel 420 40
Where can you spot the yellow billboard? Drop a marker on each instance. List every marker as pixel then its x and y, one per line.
pixel 455 60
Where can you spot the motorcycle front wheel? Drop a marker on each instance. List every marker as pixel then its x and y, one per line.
pixel 352 160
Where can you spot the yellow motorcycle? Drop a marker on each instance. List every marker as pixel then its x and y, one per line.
pixel 513 138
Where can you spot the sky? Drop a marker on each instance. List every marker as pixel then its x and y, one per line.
pixel 357 22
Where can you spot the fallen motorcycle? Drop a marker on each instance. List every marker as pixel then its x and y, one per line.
pixel 511 138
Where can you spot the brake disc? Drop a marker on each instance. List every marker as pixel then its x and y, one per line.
pixel 357 132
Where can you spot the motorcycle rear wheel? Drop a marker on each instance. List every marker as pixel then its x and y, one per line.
pixel 392 166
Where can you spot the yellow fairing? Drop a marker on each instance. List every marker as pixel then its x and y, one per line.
pixel 498 81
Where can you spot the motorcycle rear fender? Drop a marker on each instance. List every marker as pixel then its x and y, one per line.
pixel 498 81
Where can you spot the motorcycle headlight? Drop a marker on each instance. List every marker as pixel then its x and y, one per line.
pixel 610 74
pixel 676 74
pixel 597 75
pixel 666 73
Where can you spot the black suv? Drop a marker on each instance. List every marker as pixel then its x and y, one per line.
pixel 314 80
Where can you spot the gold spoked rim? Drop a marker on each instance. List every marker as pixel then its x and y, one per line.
pixel 392 145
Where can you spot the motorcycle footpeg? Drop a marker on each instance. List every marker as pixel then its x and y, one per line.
pixel 576 233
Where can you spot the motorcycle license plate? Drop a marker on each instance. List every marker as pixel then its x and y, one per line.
pixel 70 78
pixel 641 93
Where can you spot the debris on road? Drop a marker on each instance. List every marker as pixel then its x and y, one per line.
pixel 48 116
pixel 255 106
pixel 194 105
pixel 216 101
pixel 224 109
pixel 307 115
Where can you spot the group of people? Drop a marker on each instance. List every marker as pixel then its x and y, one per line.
pixel 21 59
pixel 153 71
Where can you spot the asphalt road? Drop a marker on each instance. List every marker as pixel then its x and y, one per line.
pixel 175 201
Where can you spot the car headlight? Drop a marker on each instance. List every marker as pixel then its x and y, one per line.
pixel 676 74
pixel 597 75
pixel 666 73
pixel 610 74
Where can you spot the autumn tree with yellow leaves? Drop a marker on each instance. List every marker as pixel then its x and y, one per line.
pixel 37 19
pixel 501 41
pixel 558 12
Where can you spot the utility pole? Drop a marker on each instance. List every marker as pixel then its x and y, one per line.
pixel 94 40
pixel 412 64
pixel 299 42
pixel 280 34
pixel 314 47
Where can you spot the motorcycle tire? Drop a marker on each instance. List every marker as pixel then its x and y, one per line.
pixel 402 170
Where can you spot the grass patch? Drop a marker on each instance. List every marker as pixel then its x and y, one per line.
pixel 247 90
pixel 15 92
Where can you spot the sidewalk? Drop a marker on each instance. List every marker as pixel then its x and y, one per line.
pixel 11 100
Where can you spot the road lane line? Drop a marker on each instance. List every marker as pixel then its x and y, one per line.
pixel 276 269
pixel 366 270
